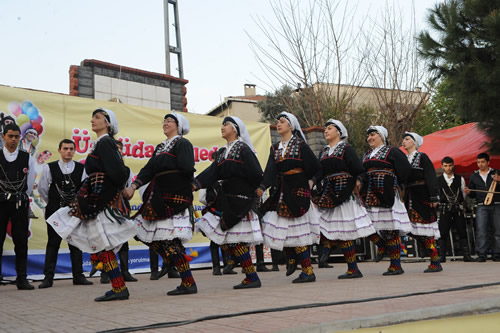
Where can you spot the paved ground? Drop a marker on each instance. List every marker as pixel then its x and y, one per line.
pixel 68 308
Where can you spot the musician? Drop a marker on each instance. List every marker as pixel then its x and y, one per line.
pixel 479 184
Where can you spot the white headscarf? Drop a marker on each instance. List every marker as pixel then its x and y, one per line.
pixel 340 127
pixel 182 122
pixel 419 141
pixel 294 124
pixel 381 130
pixel 31 130
pixel 113 121
pixel 241 131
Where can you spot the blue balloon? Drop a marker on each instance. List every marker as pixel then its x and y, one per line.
pixel 32 112
pixel 26 105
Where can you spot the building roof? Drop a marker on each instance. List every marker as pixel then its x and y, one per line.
pixel 228 100
pixel 130 70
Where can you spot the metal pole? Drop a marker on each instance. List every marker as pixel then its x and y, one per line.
pixel 167 37
pixel 178 38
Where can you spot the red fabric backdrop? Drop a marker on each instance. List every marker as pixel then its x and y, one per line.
pixel 462 143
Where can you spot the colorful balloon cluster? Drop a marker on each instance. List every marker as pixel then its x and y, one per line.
pixel 27 116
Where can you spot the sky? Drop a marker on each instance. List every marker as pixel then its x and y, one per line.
pixel 41 39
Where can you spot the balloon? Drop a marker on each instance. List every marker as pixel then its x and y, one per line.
pixel 31 112
pixel 38 120
pixel 26 105
pixel 15 108
pixel 22 119
pixel 38 128
pixel 24 127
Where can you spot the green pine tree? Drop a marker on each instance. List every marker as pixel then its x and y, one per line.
pixel 463 48
pixel 441 113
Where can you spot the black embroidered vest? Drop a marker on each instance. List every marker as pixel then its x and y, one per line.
pixel 67 185
pixel 448 194
pixel 13 177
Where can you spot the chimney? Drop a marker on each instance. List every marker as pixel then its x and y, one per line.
pixel 249 89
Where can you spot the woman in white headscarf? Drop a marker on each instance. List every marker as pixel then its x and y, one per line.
pixel 26 144
pixel 232 178
pixel 386 170
pixel 165 218
pixel 343 217
pixel 97 220
pixel 422 198
pixel 290 221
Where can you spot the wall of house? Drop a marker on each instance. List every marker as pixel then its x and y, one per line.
pixel 375 96
pixel 242 110
pixel 245 111
pixel 105 81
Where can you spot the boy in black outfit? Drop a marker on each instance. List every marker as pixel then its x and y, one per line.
pixel 451 207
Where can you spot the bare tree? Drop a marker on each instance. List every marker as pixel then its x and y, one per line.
pixel 396 72
pixel 340 67
pixel 312 46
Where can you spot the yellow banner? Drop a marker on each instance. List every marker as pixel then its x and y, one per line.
pixel 58 116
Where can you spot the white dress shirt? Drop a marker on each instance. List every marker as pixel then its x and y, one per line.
pixel 46 177
pixel 485 176
pixel 449 181
pixel 30 181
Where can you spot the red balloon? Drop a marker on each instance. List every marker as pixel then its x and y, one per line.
pixel 38 120
pixel 38 128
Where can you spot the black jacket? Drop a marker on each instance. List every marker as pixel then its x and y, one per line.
pixel 476 182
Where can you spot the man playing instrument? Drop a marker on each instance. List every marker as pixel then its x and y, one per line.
pixel 479 186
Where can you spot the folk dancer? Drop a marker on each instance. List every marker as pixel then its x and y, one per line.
pixel 421 199
pixel 343 216
pixel 290 221
pixel 165 219
pixel 387 169
pixel 228 218
pixel 97 221
pixel 123 252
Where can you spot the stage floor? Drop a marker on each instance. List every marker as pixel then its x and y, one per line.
pixel 68 308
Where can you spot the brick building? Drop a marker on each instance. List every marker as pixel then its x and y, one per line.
pixel 109 82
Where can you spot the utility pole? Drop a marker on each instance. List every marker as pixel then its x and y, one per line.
pixel 170 49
